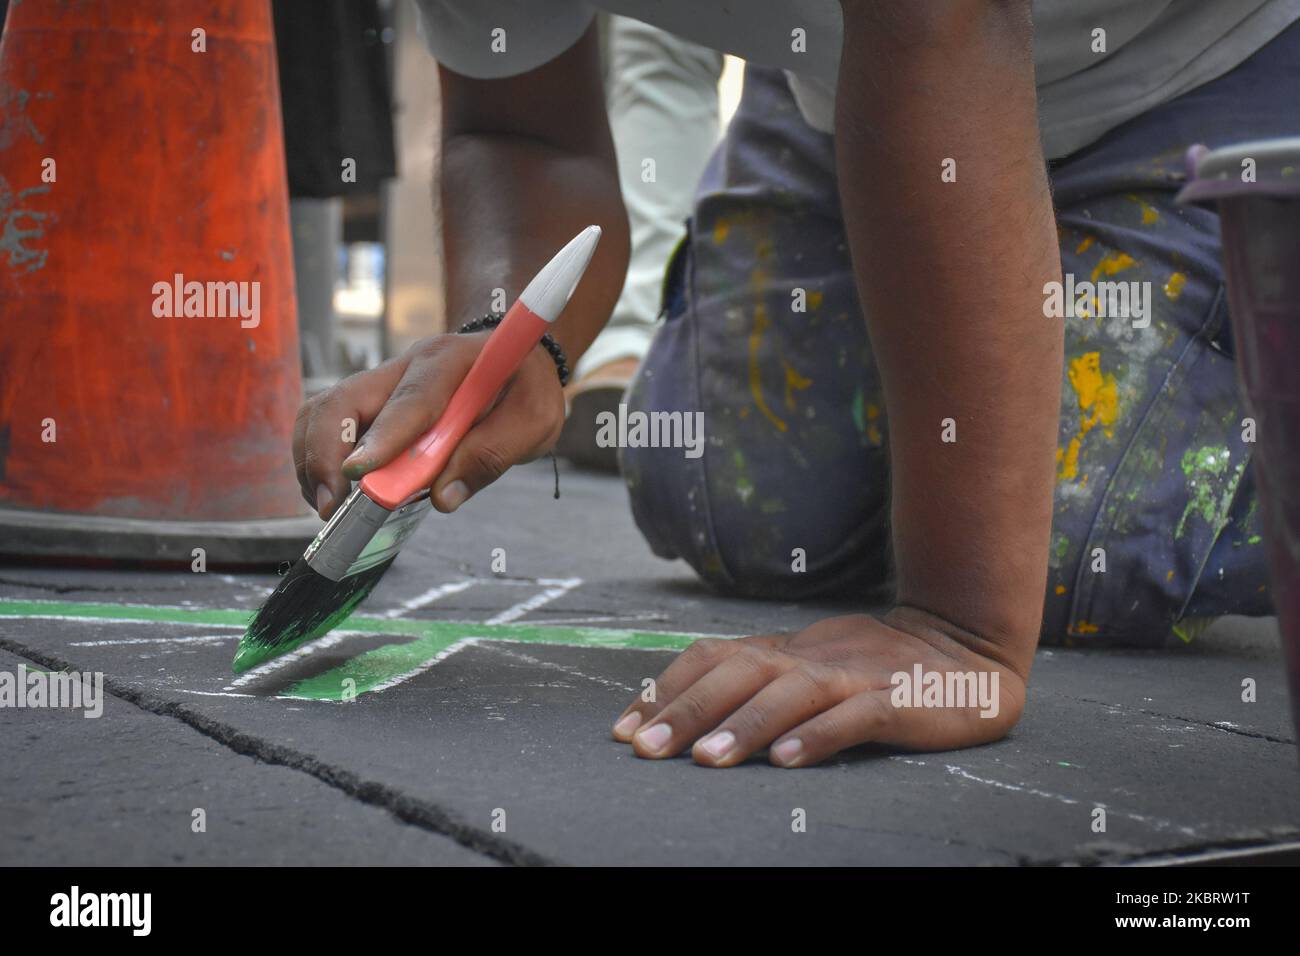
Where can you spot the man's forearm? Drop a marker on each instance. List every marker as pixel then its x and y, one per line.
pixel 526 163
pixel 508 203
pixel 951 276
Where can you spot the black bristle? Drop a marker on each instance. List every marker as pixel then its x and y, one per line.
pixel 304 606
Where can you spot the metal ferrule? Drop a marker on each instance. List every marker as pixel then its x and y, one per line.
pixel 363 533
pixel 346 536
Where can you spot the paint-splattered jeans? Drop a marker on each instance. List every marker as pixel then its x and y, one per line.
pixel 1153 477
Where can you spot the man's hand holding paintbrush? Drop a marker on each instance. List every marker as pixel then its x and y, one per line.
pixel 445 391
pixel 400 399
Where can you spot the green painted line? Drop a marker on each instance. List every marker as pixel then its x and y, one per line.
pixel 381 665
pixel 374 667
pixel 123 612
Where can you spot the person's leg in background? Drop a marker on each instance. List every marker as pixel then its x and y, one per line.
pixel 662 94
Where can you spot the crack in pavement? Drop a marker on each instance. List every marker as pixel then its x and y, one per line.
pixel 410 810
pixel 1226 728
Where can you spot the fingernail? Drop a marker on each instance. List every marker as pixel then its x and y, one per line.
pixel 627 724
pixel 787 751
pixel 353 462
pixel 655 737
pixel 720 744
pixel 454 495
pixel 324 497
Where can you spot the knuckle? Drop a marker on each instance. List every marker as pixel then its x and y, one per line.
pixel 301 419
pixel 489 461
pixel 431 347
pixel 757 660
pixel 812 682
pixel 826 731
pixel 411 388
pixel 704 651
pixel 752 719
pixel 876 710
pixel 314 465
pixel 323 406
pixel 694 706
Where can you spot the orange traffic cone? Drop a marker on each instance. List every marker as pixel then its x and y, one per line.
pixel 149 368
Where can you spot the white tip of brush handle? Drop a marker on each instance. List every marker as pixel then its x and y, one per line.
pixel 549 292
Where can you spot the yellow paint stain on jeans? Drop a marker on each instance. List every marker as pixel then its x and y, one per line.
pixel 794 382
pixel 1174 287
pixel 1111 263
pixel 761 325
pixel 873 425
pixel 1098 396
pixel 1149 214
pixel 758 285
pixel 721 229
pixel 1107 265
pixel 1084 246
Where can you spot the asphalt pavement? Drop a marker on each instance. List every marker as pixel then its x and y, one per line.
pixel 462 717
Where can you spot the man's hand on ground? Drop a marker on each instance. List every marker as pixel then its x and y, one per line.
pixel 810 694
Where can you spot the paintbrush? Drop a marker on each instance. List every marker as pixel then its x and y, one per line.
pixel 354 549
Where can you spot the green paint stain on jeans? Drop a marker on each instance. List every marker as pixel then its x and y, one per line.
pixel 1211 483
pixel 860 410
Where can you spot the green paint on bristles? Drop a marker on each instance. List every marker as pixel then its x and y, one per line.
pixel 252 651
pixel 304 606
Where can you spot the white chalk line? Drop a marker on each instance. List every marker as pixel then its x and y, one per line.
pixel 239 582
pixel 557 588
pixel 284 660
pixel 553 665
pixel 648 617
pixel 431 662
pixel 199 639
pixel 82 618
pixel 221 693
pixel 429 596
pixel 1155 822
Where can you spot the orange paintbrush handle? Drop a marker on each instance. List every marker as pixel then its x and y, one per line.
pixel 415 470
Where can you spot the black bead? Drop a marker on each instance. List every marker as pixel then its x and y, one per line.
pixel 492 320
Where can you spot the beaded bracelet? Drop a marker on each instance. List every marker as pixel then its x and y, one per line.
pixel 493 319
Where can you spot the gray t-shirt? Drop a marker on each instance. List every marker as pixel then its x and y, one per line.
pixel 1151 50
